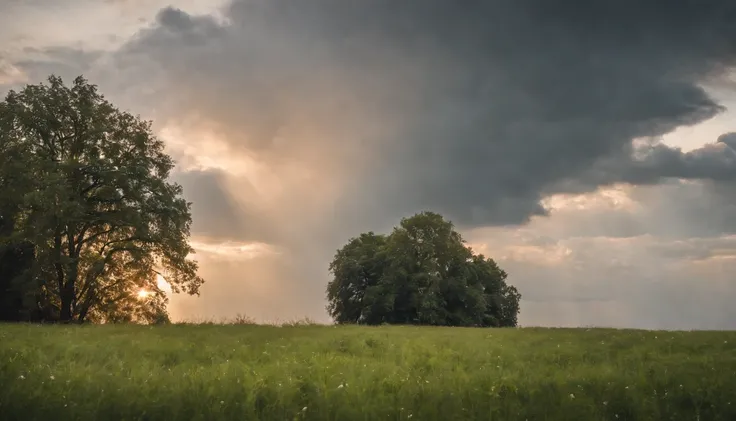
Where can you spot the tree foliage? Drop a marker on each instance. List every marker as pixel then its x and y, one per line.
pixel 422 273
pixel 85 185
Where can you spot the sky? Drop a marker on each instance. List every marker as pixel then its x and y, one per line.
pixel 589 147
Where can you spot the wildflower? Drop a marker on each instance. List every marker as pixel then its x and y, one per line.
pixel 605 403
pixel 304 409
pixel 341 386
pixel 410 415
pixel 52 377
pixel 22 377
pixel 572 396
pixel 222 402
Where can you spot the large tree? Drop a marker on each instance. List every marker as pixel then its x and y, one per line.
pixel 422 273
pixel 91 195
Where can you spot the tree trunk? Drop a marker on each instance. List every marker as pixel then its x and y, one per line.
pixel 68 294
pixel 67 297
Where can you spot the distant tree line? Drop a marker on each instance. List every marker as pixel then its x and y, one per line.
pixel 421 273
pixel 87 217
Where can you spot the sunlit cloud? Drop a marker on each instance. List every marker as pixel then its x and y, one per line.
pixel 232 250
pixel 606 198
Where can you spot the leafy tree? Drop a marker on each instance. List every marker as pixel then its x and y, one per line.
pixel 92 197
pixel 358 268
pixel 422 273
pixel 16 257
pixel 16 294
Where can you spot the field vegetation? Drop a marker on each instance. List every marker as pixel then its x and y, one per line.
pixel 300 371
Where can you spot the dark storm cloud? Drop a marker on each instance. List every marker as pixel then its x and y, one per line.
pixel 652 162
pixel 483 107
pixel 728 139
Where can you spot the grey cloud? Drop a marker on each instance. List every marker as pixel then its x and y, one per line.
pixel 66 62
pixel 484 108
pixel 652 163
pixel 215 213
pixel 729 139
pixel 714 161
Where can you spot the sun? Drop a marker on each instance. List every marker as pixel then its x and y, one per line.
pixel 161 284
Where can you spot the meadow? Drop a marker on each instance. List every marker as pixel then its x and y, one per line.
pixel 307 372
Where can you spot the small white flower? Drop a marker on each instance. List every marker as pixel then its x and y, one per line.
pixel 22 377
pixel 304 409
pixel 572 396
pixel 222 402
pixel 52 377
pixel 410 415
pixel 341 386
pixel 605 403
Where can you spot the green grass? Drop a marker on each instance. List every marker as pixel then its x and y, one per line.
pixel 237 372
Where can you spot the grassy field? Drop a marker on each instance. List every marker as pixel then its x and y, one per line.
pixel 234 372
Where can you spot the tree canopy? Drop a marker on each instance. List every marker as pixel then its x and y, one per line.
pixel 421 273
pixel 85 200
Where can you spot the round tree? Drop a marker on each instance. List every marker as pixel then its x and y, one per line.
pixel 421 273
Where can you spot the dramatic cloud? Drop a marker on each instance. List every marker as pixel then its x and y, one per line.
pixel 476 111
pixel 298 124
